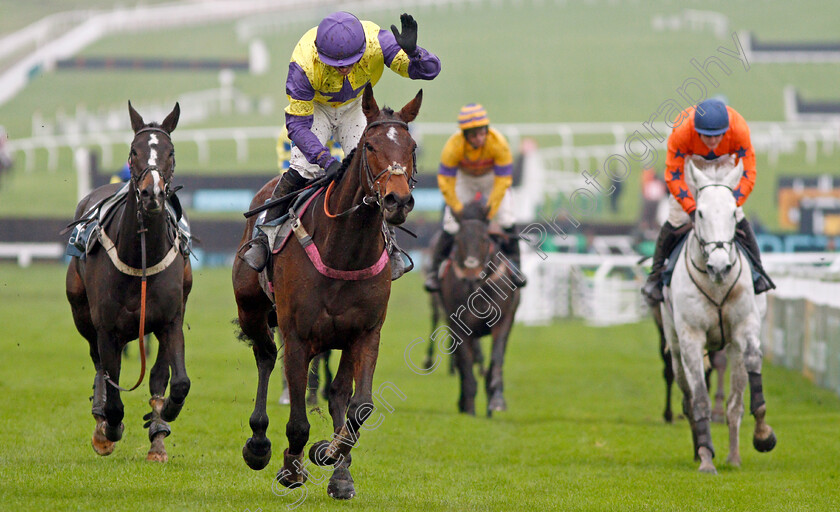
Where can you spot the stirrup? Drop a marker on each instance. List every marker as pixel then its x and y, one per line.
pixel 256 256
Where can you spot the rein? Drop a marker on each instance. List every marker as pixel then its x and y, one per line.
pixel 719 306
pixel 393 170
pixel 122 267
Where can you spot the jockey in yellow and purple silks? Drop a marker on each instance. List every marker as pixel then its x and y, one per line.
pixel 476 160
pixel 329 69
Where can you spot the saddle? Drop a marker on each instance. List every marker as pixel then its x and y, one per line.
pixel 85 231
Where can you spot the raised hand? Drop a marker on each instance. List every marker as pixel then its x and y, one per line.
pixel 408 38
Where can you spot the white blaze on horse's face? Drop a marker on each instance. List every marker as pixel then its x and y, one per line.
pixel 153 140
pixel 392 134
pixel 157 180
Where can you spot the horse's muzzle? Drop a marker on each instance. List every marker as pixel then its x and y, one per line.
pixel 151 202
pixel 397 207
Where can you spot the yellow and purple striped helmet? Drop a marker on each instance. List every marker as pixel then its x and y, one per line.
pixel 472 116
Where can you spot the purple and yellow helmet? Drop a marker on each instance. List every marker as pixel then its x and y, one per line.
pixel 340 39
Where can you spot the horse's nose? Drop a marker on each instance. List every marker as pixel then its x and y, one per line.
pixel 394 201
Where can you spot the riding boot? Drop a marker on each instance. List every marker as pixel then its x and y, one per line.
pixel 745 235
pixel 257 254
pixel 398 266
pixel 510 248
pixel 665 243
pixel 439 253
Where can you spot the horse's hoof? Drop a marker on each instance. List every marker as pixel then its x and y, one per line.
pixel 765 445
pixel 318 454
pixel 669 417
pixel 341 484
pixel 706 464
pixel 114 434
pixel 257 454
pixel 101 445
pixel 157 457
pixel 734 461
pixel 497 403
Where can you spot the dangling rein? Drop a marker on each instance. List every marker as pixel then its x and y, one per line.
pixel 143 273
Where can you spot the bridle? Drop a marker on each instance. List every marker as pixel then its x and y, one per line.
pixel 717 245
pixel 707 247
pixel 135 184
pixel 374 196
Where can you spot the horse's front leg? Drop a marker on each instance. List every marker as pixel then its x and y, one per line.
pixel 464 359
pixel 158 380
pixel 692 342
pixel 363 353
pixel 494 383
pixel 735 403
pixel 764 439
pixel 110 425
pixel 296 361
pixel 718 362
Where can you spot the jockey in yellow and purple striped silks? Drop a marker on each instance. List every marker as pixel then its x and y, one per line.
pixel 475 160
pixel 329 69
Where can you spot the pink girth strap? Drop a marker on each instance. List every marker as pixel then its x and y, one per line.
pixel 345 275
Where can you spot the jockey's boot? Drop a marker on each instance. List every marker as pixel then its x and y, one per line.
pixel 510 248
pixel 398 266
pixel 665 243
pixel 257 254
pixel 745 235
pixel 440 252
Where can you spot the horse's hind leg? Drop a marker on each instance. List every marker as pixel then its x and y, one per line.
pixel 718 363
pixel 254 308
pixel 110 352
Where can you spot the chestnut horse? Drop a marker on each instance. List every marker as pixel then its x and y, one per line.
pixel 339 304
pixel 111 289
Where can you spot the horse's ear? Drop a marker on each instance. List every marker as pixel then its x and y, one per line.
pixel 171 120
pixel 695 176
pixel 136 119
pixel 412 108
pixel 369 106
pixel 733 177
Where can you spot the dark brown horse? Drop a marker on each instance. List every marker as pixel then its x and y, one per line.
pixel 329 307
pixel 479 299
pixel 137 270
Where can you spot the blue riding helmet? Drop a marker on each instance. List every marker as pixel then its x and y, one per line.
pixel 340 39
pixel 714 119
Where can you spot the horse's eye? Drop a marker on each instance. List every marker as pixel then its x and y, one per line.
pixel 133 152
pixel 369 147
pixel 699 214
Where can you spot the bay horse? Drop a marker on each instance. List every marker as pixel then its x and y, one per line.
pixel 115 296
pixel 710 305
pixel 479 299
pixel 339 304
